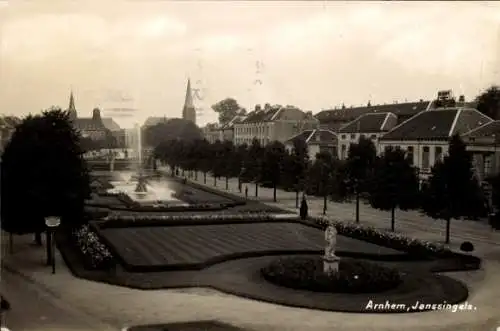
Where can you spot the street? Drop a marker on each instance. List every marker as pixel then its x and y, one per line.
pixel 34 308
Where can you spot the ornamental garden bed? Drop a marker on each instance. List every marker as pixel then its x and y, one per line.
pixel 353 276
pixel 197 246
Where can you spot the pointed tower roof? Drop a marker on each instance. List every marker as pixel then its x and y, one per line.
pixel 188 102
pixel 71 102
pixel 72 109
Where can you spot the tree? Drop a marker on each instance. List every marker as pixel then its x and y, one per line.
pixel 324 165
pixel 227 109
pixel 205 158
pixel 360 164
pixel 299 161
pixel 43 174
pixel 395 184
pixel 230 166
pixel 218 162
pixel 272 164
pixel 488 102
pixel 253 164
pixel 173 129
pixel 452 190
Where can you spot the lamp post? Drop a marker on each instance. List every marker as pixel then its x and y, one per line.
pixel 52 222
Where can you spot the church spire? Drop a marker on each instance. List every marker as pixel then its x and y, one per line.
pixel 71 102
pixel 189 112
pixel 188 102
pixel 72 109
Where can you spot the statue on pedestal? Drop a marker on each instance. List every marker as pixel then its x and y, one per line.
pixel 330 260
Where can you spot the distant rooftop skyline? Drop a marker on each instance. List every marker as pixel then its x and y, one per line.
pixel 314 55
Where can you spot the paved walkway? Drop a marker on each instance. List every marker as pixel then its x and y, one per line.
pixel 113 307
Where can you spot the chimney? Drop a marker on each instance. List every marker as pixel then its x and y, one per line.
pixel 369 104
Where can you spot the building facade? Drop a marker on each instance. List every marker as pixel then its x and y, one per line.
pixel 425 136
pixel 93 127
pixel 317 140
pixel 273 124
pixel 371 126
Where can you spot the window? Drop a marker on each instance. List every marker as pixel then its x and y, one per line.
pixel 343 136
pixel 343 153
pixel 410 154
pixel 387 148
pixel 425 158
pixel 438 154
pixel 353 136
pixel 373 136
pixel 362 136
pixel 488 165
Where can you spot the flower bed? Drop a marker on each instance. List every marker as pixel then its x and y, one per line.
pixel 393 240
pixel 95 254
pixel 306 273
pixel 117 220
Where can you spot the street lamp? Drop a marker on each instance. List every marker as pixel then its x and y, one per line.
pixel 52 222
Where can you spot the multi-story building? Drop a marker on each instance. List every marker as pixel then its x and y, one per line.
pixel 273 124
pixel 93 127
pixel 484 145
pixel 425 136
pixel 370 125
pixel 334 119
pixel 317 140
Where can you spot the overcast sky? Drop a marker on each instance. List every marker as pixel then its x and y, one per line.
pixel 313 55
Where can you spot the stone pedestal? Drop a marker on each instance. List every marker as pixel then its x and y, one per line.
pixel 331 264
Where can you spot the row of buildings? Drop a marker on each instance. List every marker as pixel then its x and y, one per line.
pixel 421 128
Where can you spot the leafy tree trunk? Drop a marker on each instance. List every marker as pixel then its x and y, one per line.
pixel 296 198
pixel 357 207
pixel 196 175
pixel 182 172
pixel 324 203
pixel 256 189
pixel 215 181
pixel 448 226
pixel 393 219
pixel 38 238
pixel 274 192
pixel 48 242
pixel 227 183
pixel 205 177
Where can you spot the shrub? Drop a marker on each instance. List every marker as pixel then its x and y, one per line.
pixel 354 276
pixel 115 220
pixel 96 255
pixel 392 240
pixel 466 246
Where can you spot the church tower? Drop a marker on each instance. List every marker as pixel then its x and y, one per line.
pixel 71 109
pixel 189 112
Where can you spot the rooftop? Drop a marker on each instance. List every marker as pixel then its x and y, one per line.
pixel 437 124
pixel 349 114
pixel 487 131
pixel 315 136
pixel 371 122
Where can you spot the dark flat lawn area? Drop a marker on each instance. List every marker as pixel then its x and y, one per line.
pixel 200 244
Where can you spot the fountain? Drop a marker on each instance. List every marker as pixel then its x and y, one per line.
pixel 141 179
